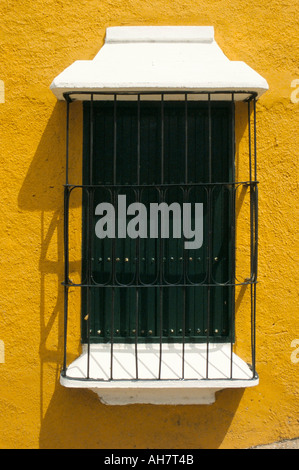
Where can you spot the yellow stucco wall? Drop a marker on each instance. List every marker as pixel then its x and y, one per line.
pixel 38 40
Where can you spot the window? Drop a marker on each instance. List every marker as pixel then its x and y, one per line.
pixel 159 309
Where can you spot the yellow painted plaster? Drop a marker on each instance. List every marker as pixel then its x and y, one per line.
pixel 38 40
pixel 2 92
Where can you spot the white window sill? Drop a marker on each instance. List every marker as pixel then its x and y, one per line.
pixel 124 389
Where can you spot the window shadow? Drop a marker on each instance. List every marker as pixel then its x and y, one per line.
pixel 77 419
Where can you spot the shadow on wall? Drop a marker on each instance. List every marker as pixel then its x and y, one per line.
pixel 76 418
pixel 42 192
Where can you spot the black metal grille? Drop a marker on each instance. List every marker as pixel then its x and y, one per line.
pixel 160 283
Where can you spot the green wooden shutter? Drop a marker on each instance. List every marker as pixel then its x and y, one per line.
pixel 182 308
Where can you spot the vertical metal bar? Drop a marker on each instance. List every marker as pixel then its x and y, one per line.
pixel 113 240
pixel 210 137
pixel 88 297
pixel 89 224
pixel 113 199
pixel 253 289
pixel 184 251
pixel 66 270
pixel 161 197
pixel 232 232
pixel 256 196
pixel 254 334
pixel 249 138
pixel 137 241
pixel 138 139
pixel 186 138
pixel 251 327
pixel 162 138
pixel 114 137
pixel 256 232
pixel 66 238
pixel 251 242
pixel 67 142
pixel 209 232
pixel 254 124
pixel 251 196
pixel 255 244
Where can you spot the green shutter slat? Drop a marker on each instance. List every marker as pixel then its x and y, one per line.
pixel 149 254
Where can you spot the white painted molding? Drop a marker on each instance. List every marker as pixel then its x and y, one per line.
pixel 159 58
pixel 148 34
pixel 170 388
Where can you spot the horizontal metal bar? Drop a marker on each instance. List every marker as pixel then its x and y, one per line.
pixel 209 380
pixel 164 185
pixel 67 95
pixel 246 283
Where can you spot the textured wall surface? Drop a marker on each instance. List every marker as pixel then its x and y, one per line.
pixel 38 40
